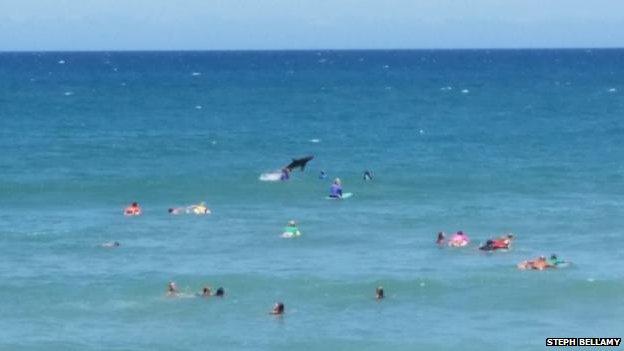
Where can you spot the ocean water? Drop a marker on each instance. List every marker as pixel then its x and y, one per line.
pixel 487 142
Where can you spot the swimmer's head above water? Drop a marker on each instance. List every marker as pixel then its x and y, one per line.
pixel 379 293
pixel 278 308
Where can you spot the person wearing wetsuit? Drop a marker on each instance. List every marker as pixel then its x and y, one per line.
pixel 322 175
pixel 367 175
pixel 336 189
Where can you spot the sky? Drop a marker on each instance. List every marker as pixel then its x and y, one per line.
pixel 35 25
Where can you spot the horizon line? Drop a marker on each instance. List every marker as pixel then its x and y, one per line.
pixel 580 48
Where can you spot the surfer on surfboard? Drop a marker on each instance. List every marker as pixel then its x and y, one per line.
pixel 335 191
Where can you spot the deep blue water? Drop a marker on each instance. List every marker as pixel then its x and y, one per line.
pixel 482 141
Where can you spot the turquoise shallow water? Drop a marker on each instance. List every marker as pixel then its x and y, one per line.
pixel 483 141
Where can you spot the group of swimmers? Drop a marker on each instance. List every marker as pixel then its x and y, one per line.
pixel 199 209
pixel 173 291
pixel 460 239
pixel 278 307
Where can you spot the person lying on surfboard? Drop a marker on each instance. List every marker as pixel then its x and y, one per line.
pixel 500 243
pixel 541 263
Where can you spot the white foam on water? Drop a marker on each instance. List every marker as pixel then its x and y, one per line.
pixel 315 140
pixel 612 90
pixel 68 93
pixel 61 62
pixel 198 107
pixel 465 91
pixel 447 88
pixel 195 74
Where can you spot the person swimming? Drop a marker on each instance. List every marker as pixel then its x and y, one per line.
pixel 488 246
pixel 539 264
pixel 175 210
pixel 379 293
pixel 285 175
pixel 110 244
pixel 503 242
pixel 278 309
pixel 172 289
pixel 322 175
pixel 554 261
pixel 220 292
pixel 336 189
pixel 133 210
pixel 500 243
pixel 206 292
pixel 459 239
pixel 291 230
pixel 367 175
pixel 440 239
pixel 199 209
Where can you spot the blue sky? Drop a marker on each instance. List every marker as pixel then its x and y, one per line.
pixel 308 24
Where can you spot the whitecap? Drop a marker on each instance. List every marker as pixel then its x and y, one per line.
pixel 68 93
pixel 198 107
pixel 465 91
pixel 612 90
pixel 421 132
pixel 446 88
pixel 386 66
pixel 591 280
pixel 315 140
pixel 195 74
pixel 61 62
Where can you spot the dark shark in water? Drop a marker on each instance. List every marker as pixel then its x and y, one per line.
pixel 298 163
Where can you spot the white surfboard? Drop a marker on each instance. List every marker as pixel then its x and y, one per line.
pixel 344 196
pixel 271 176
